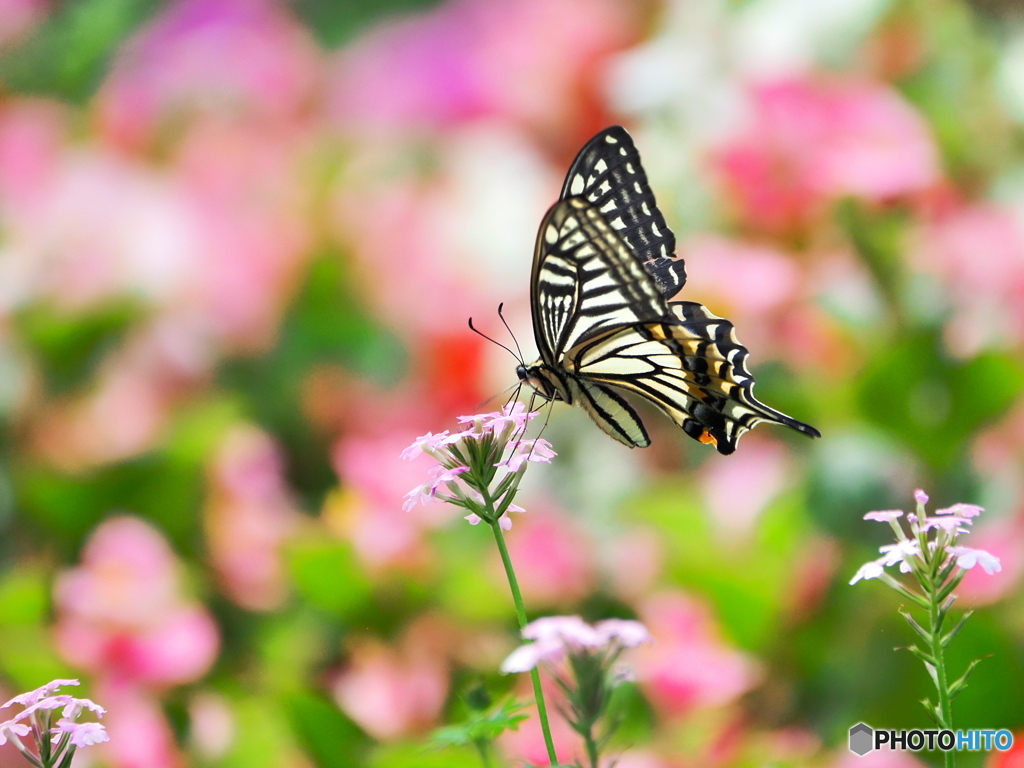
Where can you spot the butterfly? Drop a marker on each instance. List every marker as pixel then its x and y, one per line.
pixel 604 268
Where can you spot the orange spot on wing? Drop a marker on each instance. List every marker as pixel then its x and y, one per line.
pixel 708 439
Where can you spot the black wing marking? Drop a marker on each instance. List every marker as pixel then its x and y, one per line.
pixel 585 280
pixel 607 172
pixel 691 366
pixel 610 412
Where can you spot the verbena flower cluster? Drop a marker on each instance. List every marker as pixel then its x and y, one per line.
pixel 55 739
pixel 585 656
pixel 925 540
pixel 468 463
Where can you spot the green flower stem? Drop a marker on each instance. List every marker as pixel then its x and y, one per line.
pixel 484 749
pixel 592 750
pixel 542 710
pixel 935 617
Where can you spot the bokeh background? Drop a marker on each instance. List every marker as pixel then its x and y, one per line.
pixel 239 243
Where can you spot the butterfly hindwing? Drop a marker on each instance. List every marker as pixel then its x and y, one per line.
pixel 691 367
pixel 607 173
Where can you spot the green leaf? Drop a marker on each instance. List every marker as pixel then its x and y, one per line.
pixel 69 54
pixel 927 658
pixel 958 685
pixel 924 634
pixel 332 739
pixel 949 636
pixel 327 574
pixel 69 346
pixel 915 392
pixel 335 23
pixel 482 725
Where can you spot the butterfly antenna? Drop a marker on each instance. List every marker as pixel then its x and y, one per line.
pixel 519 357
pixel 514 339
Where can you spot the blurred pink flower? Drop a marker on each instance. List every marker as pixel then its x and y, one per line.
pixel 368 510
pixel 762 469
pixel 526 744
pixel 633 562
pixel 32 136
pixel 688 665
pixel 765 293
pixel 18 17
pixel 1004 538
pixel 121 614
pixel 61 245
pixel 987 294
pixel 529 62
pixel 554 559
pixel 249 517
pixel 243 57
pixel 249 202
pixel 133 395
pixel 879 758
pixel 396 691
pixel 140 736
pixel 811 141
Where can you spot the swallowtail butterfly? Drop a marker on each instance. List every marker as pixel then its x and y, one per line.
pixel 604 268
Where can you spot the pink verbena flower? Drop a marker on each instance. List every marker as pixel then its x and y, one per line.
pixel 82 734
pixel 466 463
pixel 938 532
pixel 31 697
pixel 11 730
pixel 967 558
pixel 886 516
pixel 527 450
pixel 555 637
pixel 37 719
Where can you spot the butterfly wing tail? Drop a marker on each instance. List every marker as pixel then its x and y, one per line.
pixel 724 359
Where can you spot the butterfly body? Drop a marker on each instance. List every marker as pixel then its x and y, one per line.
pixel 602 271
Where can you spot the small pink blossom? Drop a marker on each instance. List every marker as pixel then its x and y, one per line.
pixel 428 444
pixel 871 570
pixel 949 524
pixel 901 552
pixel 920 497
pixel 962 510
pixel 504 521
pixel 31 697
pixel 12 729
pixel 82 734
pixel 539 450
pixel 526 657
pixel 967 558
pixel 625 632
pixel 554 637
pixel 571 630
pixel 885 516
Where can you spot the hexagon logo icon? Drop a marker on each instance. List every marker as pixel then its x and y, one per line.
pixel 861 739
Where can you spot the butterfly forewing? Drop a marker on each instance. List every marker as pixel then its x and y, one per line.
pixel 585 280
pixel 608 174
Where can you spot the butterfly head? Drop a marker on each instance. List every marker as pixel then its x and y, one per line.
pixel 543 380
